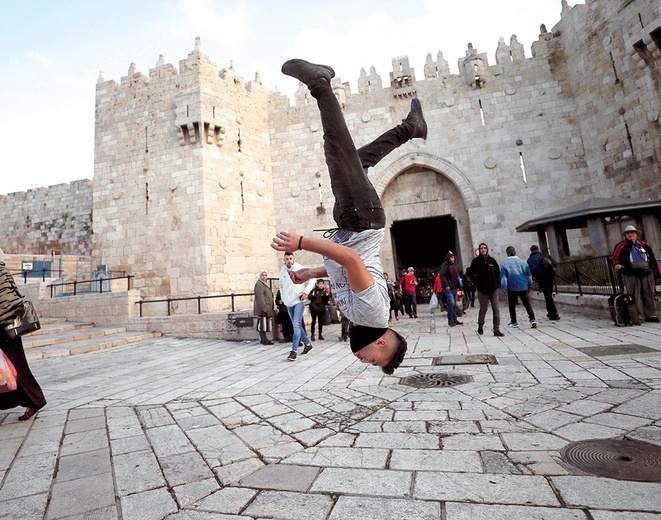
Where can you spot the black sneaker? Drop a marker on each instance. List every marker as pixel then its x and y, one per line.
pixel 307 348
pixel 417 120
pixel 498 333
pixel 306 72
pixel 457 322
pixel 292 356
pixel 321 338
pixel 480 330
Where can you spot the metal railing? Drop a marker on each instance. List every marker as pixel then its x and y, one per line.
pixel 199 299
pixel 96 285
pixel 23 273
pixel 587 276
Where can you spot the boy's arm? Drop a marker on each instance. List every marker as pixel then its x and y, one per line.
pixel 307 273
pixel 357 274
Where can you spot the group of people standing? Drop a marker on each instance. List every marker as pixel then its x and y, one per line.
pixel 291 301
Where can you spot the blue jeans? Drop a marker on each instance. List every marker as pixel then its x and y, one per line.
pixel 296 315
pixel 451 298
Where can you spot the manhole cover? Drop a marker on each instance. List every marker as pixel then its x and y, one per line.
pixel 431 380
pixel 616 350
pixel 615 458
pixel 473 359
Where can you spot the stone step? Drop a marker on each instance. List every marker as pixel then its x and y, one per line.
pixel 88 344
pixel 56 336
pixel 54 327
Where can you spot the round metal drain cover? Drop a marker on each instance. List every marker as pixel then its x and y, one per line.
pixel 615 458
pixel 431 380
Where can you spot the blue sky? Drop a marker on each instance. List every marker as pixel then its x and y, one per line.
pixel 52 53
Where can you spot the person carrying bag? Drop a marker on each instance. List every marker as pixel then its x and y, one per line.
pixel 263 308
pixel 17 317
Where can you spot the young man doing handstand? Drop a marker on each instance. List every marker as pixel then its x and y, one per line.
pixel 351 259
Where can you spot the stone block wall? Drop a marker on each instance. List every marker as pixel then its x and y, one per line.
pixel 183 195
pixel 42 220
pixel 611 54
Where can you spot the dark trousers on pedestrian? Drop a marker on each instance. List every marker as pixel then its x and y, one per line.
pixel 412 308
pixel 512 297
pixel 484 299
pixel 317 315
pixel 28 392
pixel 357 205
pixel 546 286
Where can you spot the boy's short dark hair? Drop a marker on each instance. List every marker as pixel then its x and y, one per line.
pixel 510 251
pixel 397 356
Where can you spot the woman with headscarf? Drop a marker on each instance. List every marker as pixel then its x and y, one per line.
pixel 28 392
pixel 263 307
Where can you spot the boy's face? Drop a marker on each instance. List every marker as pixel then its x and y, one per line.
pixel 376 353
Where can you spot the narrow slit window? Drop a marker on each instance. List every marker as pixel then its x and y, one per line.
pixel 481 112
pixel 523 167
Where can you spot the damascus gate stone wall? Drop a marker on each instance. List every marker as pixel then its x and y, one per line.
pixel 195 169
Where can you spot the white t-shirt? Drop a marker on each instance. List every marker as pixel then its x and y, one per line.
pixel 370 307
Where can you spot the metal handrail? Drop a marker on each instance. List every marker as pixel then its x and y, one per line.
pixel 24 273
pixel 190 298
pixel 99 280
pixel 589 275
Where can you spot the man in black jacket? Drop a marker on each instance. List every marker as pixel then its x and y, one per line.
pixel 486 276
pixel 542 268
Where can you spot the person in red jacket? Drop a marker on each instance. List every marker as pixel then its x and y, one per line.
pixel 409 283
pixel 636 263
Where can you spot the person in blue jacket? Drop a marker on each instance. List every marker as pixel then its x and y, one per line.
pixel 516 281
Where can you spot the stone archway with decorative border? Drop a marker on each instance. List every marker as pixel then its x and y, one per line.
pixel 388 170
pixel 455 200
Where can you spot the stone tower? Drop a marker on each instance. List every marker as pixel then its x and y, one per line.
pixel 183 194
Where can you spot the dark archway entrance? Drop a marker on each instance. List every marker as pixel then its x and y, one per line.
pixel 423 243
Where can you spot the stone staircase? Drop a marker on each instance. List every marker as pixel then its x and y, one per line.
pixel 61 338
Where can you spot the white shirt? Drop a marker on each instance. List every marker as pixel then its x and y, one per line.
pixel 291 292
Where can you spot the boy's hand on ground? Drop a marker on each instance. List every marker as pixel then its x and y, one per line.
pixel 285 241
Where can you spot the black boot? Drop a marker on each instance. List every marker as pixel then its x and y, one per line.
pixel 416 120
pixel 307 72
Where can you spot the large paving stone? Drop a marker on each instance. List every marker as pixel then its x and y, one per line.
pixel 364 508
pixel 136 472
pixel 76 497
pixel 474 487
pixel 229 500
pixel 83 465
pixel 457 511
pixel 184 467
pixel 154 504
pixel 292 506
pixel 605 493
pixel 364 482
pixel 436 460
pixel 341 457
pixel 286 477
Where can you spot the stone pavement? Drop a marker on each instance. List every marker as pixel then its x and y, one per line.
pixel 196 429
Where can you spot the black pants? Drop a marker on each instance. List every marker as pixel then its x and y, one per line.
pixel 28 393
pixel 546 286
pixel 525 299
pixel 357 205
pixel 317 315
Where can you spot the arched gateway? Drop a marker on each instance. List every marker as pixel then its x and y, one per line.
pixel 427 202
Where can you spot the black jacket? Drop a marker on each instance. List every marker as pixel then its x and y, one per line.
pixel 485 273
